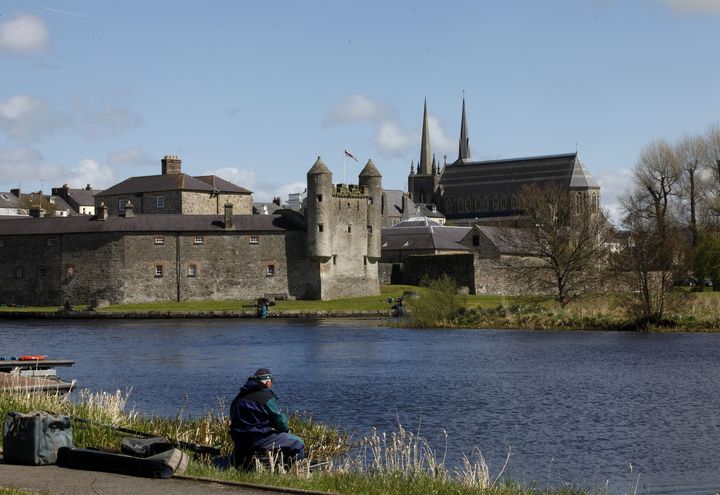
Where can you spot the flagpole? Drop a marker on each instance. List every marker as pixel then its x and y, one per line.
pixel 344 157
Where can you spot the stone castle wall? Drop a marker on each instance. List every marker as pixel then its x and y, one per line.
pixel 175 202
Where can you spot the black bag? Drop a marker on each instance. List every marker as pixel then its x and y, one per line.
pixel 161 465
pixel 145 447
pixel 34 438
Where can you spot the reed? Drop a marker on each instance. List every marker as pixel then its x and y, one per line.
pixel 400 462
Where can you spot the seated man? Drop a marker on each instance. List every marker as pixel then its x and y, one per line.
pixel 257 424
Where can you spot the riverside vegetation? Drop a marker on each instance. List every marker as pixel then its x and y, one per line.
pixel 437 304
pixel 397 463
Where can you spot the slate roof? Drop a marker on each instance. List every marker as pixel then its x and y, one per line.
pixel 506 240
pixel 428 237
pixel 221 184
pixel 9 200
pixel 509 175
pixel 172 182
pixel 145 223
pixel 83 197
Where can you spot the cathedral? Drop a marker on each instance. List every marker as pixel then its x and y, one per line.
pixel 486 191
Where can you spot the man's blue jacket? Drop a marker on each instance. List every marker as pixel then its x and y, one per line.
pixel 255 413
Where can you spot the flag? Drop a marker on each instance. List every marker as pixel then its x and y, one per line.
pixel 350 155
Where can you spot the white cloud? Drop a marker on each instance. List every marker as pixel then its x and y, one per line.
pixel 392 141
pixel 89 171
pixel 27 119
pixel 694 6
pixel 99 119
pixel 262 191
pixel 359 108
pixel 24 33
pixel 25 165
pixel 440 142
pixel 131 157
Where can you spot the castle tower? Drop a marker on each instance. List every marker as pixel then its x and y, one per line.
pixel 371 179
pixel 464 148
pixel 171 165
pixel 318 214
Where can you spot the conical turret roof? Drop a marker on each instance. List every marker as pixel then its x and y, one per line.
pixel 319 167
pixel 370 170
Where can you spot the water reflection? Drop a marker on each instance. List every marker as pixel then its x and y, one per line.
pixel 573 406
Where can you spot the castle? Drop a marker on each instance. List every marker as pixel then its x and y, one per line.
pixel 329 250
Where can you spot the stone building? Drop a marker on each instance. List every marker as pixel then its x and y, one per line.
pixel 173 192
pixel 487 190
pixel 328 251
pixel 12 205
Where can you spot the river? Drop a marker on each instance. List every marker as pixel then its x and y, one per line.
pixel 631 409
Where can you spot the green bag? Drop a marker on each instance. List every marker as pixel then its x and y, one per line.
pixel 34 438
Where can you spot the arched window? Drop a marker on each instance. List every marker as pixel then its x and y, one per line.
pixel 513 202
pixel 486 203
pixel 496 203
pixel 468 204
pixel 478 203
pixel 503 202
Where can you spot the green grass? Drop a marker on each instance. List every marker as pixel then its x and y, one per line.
pixel 17 491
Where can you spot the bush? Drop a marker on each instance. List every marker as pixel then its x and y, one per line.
pixel 438 305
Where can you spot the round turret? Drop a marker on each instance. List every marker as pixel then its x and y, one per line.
pixel 371 179
pixel 317 212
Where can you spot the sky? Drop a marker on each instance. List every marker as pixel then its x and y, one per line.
pixel 94 92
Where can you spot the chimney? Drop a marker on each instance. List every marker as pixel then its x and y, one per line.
pixel 229 216
pixel 101 212
pixel 129 210
pixel 277 201
pixel 171 165
pixel 88 188
pixel 36 211
pixel 15 192
pixel 403 205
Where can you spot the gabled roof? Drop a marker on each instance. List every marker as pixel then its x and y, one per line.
pixel 507 240
pixel 9 200
pixel 172 182
pixel 145 224
pixel 83 197
pixel 221 184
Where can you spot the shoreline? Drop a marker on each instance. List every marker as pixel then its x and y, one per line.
pixel 150 315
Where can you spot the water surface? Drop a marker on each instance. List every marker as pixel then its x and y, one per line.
pixel 581 407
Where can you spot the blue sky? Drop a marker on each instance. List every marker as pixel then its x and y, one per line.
pixel 95 92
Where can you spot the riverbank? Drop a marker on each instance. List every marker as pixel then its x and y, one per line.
pixel 693 312
pixel 397 463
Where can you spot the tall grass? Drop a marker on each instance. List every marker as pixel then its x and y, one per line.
pixel 396 463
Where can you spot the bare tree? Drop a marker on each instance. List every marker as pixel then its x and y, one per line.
pixel 690 151
pixel 711 165
pixel 562 242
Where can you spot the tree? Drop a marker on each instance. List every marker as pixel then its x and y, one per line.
pixel 645 267
pixel 36 199
pixel 706 261
pixel 438 304
pixel 690 152
pixel 562 242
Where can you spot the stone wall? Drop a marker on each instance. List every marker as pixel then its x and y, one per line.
pixel 205 203
pixel 174 202
pixel 461 267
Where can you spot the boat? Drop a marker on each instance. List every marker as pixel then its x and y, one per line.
pixel 33 373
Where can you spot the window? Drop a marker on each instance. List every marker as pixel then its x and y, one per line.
pixel 51 242
pixel 319 198
pixel 476 240
pixel 158 270
pixel 364 260
pixel 121 205
pixel 369 229
pixel 334 259
pixel 159 240
pixel 349 229
pixel 320 227
pixel 254 239
pixel 370 200
pixel 18 272
pixel 199 240
pixel 160 201
pixel 192 271
pixel 270 271
pixel 42 272
pixel 70 270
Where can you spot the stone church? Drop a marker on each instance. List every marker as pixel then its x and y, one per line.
pixel 486 191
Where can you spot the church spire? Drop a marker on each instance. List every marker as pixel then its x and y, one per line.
pixel 424 164
pixel 464 149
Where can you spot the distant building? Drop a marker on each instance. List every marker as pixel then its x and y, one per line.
pixel 260 208
pixel 488 190
pixel 12 205
pixel 173 192
pixel 295 200
pixel 82 201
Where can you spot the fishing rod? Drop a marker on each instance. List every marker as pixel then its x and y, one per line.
pixel 194 447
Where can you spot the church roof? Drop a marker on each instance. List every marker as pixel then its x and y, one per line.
pixel 509 175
